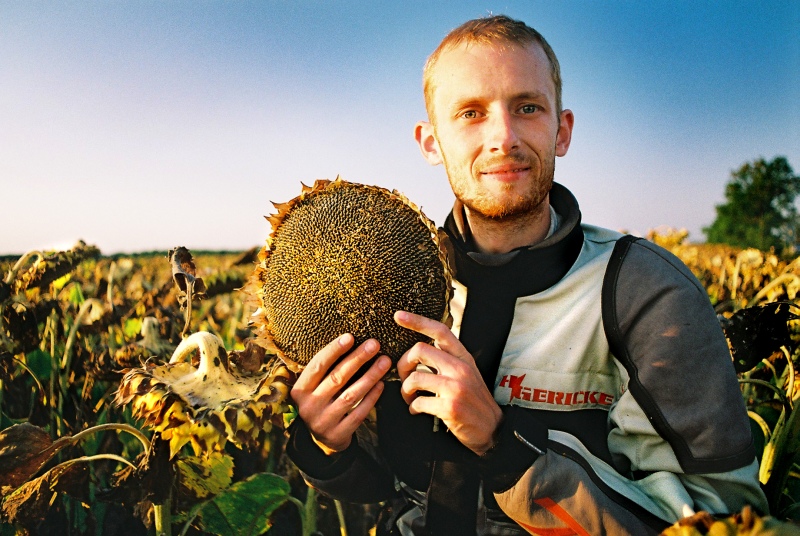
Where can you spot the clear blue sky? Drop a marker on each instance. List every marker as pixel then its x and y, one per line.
pixel 148 125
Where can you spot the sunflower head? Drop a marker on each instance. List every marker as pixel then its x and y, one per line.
pixel 343 258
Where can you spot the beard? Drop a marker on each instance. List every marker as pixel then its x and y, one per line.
pixel 507 204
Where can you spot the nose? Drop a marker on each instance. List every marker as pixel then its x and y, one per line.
pixel 502 137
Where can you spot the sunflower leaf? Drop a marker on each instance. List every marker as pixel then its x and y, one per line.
pixel 245 508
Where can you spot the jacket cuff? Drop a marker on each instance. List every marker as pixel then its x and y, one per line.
pixel 521 440
pixel 311 459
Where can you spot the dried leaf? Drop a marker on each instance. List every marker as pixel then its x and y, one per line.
pixel 29 503
pixel 21 326
pixel 184 273
pixel 5 291
pixel 225 282
pixel 24 449
pixel 755 333
pixel 248 258
pixel 250 359
pixel 149 481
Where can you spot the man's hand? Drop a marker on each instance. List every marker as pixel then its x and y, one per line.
pixel 332 412
pixel 460 398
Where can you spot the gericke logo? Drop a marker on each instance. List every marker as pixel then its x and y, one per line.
pixel 532 394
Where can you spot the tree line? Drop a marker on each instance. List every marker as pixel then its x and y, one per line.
pixel 759 209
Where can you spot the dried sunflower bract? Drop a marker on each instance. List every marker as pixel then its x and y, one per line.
pixel 342 258
pixel 205 402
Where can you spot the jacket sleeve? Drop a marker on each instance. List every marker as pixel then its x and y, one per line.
pixel 678 435
pixel 353 475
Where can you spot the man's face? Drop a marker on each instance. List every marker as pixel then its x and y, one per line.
pixel 495 127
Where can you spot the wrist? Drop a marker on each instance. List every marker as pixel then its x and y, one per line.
pixel 309 456
pixel 520 440
pixel 495 437
pixel 325 448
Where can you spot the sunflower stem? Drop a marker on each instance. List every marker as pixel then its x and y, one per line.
pixel 310 512
pixel 189 298
pixel 96 457
pixel 163 517
pixel 340 515
pixel 12 274
pixel 301 510
pixel 114 426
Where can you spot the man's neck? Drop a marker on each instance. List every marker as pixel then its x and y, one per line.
pixel 501 236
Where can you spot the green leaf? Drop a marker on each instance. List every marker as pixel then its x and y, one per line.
pixel 289 416
pixel 40 363
pixel 201 478
pixel 75 295
pixel 132 327
pixel 244 508
pixel 61 282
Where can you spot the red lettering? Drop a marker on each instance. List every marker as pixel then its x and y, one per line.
pixel 515 383
pixel 522 392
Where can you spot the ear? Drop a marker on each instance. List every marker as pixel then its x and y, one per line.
pixel 426 139
pixel 564 136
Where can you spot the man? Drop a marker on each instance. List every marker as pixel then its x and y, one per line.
pixel 582 389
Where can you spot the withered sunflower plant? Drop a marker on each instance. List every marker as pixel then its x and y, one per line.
pixel 206 399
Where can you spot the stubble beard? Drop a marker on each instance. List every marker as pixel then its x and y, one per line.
pixel 488 206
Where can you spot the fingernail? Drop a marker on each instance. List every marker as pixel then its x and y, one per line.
pixel 384 362
pixel 344 340
pixel 371 346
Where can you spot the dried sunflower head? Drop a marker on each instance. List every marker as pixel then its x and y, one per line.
pixel 54 265
pixel 343 258
pixel 205 401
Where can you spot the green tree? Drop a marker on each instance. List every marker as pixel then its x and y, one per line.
pixel 759 211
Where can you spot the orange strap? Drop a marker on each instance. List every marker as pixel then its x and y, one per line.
pixel 574 528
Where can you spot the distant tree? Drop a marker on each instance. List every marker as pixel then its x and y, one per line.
pixel 759 211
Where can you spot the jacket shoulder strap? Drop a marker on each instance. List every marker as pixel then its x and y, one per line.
pixel 609 294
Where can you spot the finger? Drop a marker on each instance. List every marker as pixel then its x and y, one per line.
pixel 357 415
pixel 337 379
pixel 432 405
pixel 316 369
pixel 442 337
pixel 420 383
pixel 418 357
pixel 326 421
pixel 338 436
pixel 354 393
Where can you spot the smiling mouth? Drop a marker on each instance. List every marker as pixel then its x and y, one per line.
pixel 504 171
pixel 506 174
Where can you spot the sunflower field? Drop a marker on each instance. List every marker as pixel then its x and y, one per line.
pixel 98 356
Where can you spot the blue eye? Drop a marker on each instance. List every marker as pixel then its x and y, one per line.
pixel 528 108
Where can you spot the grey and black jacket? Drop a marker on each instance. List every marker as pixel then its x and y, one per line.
pixel 621 405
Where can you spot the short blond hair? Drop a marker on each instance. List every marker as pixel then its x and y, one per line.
pixel 490 31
